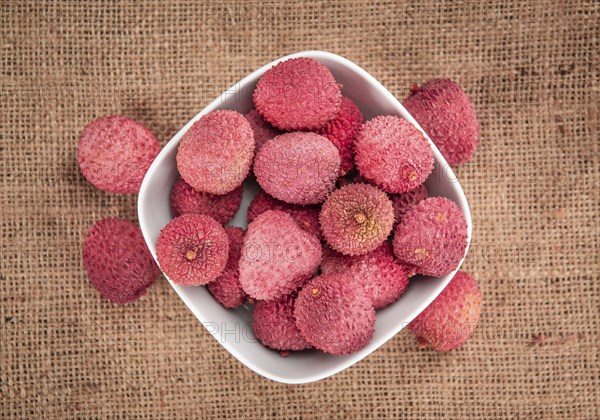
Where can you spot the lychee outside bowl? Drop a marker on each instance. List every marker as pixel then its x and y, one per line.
pixel 232 328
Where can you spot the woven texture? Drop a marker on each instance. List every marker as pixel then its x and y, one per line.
pixel 532 70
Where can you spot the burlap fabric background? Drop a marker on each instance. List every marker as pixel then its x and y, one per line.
pixel 532 70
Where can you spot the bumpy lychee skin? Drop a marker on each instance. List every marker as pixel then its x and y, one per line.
pixel 275 326
pixel 307 217
pixel 263 131
pixel 227 289
pixel 192 249
pixel 298 168
pixel 447 115
pixel 277 256
pixel 216 153
pixel 383 278
pixel 334 314
pixel 115 153
pixel 342 130
pixel 222 208
pixel 298 94
pixel 356 219
pixel 451 318
pixel 393 154
pixel 432 237
pixel 118 263
pixel 404 202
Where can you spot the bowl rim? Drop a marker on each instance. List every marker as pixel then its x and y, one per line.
pixel 214 105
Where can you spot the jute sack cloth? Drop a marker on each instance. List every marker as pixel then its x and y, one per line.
pixel 532 70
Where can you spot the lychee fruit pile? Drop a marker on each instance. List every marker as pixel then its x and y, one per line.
pixel 341 226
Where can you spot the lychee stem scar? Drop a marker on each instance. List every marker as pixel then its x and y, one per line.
pixel 360 218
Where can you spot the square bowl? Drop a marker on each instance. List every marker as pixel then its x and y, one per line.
pixel 232 327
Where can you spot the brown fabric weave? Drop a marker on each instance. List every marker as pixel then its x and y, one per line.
pixel 532 70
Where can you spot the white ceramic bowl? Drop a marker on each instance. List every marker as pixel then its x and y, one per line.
pixel 232 328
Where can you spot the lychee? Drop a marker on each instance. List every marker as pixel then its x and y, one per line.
pixel 342 130
pixel 307 217
pixel 451 318
pixel 298 94
pixel 356 219
pixel 275 326
pixel 184 200
pixel 192 249
pixel 115 153
pixel 334 314
pixel 298 168
pixel 383 278
pixel 262 130
pixel 117 260
pixel 227 289
pixel 432 237
pixel 215 154
pixel 404 202
pixel 446 113
pixel 393 154
pixel 277 256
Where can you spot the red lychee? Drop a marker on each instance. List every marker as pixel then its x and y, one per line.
pixel 451 318
pixel 117 260
pixel 446 113
pixel 216 153
pixel 298 94
pixel 432 237
pixel 192 249
pixel 115 153
pixel 342 130
pixel 393 154
pixel 277 256
pixel 356 219
pixel 383 278
pixel 334 314
pixel 275 326
pixel 298 168
pixel 227 289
